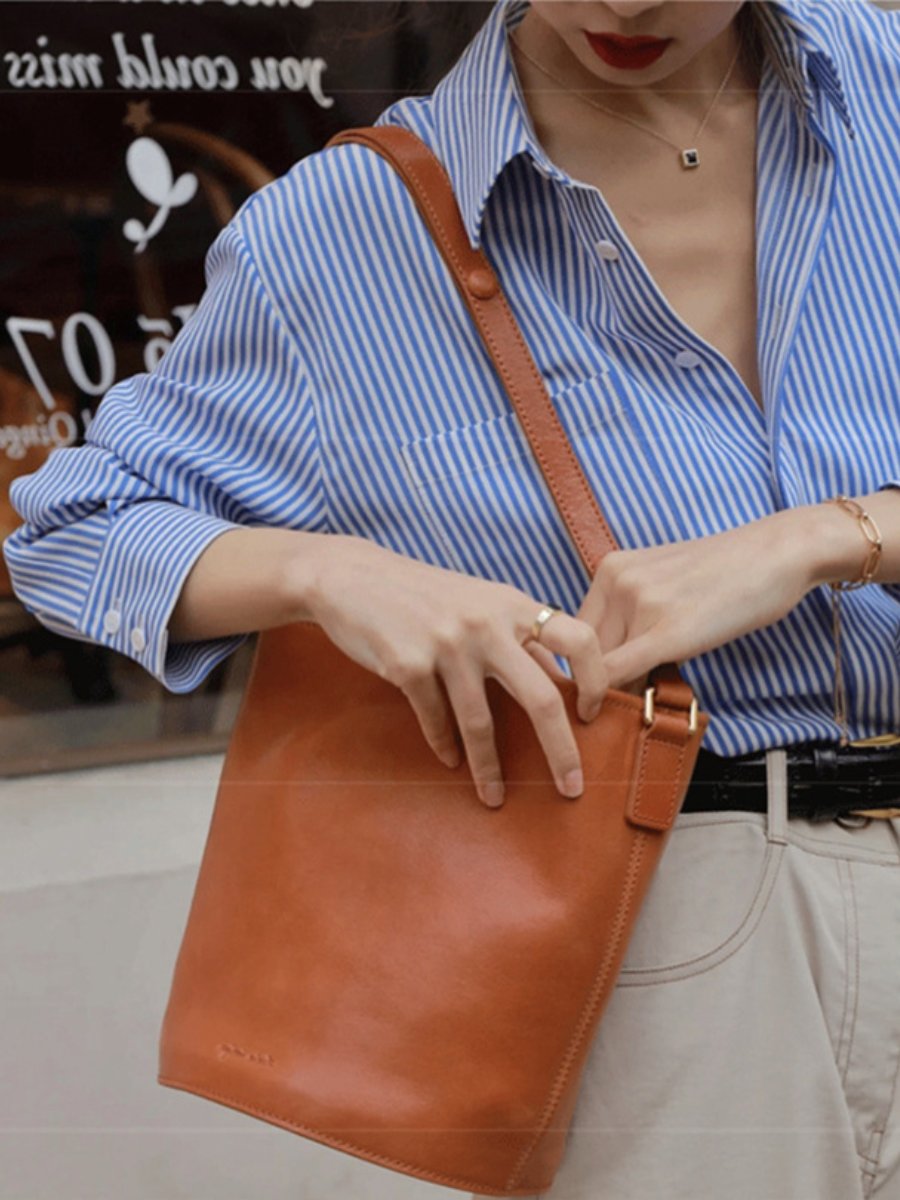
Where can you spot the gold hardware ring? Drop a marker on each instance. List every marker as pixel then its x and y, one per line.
pixel 650 708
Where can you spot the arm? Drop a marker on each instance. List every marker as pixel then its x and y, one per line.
pixel 251 579
pixel 838 547
pixel 671 602
pixel 220 436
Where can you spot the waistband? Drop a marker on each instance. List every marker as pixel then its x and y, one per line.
pixel 824 780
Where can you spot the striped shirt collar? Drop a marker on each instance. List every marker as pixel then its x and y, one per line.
pixel 480 95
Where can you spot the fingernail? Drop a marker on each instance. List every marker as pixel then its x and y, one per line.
pixel 450 758
pixel 493 794
pixel 592 712
pixel 573 784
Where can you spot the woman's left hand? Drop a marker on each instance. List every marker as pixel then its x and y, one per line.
pixel 668 603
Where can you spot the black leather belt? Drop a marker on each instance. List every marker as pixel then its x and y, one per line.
pixel 824 780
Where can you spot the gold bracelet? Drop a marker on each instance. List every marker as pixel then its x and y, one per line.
pixel 869 568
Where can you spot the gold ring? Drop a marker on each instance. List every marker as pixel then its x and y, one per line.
pixel 547 611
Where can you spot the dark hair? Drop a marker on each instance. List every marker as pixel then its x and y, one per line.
pixel 750 34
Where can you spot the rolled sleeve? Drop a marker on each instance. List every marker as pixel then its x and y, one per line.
pixel 148 552
pixel 220 435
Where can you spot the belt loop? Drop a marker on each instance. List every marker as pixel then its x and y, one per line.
pixel 776 794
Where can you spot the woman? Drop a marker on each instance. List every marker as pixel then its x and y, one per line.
pixel 698 241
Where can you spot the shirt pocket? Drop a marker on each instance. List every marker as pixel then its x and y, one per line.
pixel 483 494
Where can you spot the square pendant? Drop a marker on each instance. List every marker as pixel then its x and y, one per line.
pixel 690 158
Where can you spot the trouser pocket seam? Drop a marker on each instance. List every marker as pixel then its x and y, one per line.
pixel 851 968
pixel 690 968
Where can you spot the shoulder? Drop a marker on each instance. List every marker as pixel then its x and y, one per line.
pixel 308 238
pixel 334 194
pixel 863 41
pixel 860 33
pixel 876 20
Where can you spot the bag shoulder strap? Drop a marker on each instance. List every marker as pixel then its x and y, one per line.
pixel 430 186
pixel 427 180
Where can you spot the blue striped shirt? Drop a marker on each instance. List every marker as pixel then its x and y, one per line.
pixel 331 380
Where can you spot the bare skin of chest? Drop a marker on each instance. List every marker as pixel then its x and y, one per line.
pixel 694 229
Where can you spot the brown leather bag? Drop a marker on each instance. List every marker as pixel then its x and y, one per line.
pixel 373 958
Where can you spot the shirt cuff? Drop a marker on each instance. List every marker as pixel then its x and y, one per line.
pixel 149 550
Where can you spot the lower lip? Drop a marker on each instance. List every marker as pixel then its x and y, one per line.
pixel 626 58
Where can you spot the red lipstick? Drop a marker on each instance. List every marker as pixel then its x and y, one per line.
pixel 627 54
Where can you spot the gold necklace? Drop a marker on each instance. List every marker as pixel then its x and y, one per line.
pixel 689 157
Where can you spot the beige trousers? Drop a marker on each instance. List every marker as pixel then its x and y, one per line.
pixel 751 1048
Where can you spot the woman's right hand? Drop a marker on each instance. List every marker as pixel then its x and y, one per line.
pixel 437 634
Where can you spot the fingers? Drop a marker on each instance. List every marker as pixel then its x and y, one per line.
pixel 447 692
pixel 546 659
pixel 428 699
pixel 529 684
pixel 465 687
pixel 629 664
pixel 577 641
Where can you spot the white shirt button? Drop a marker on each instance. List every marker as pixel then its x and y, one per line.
pixel 607 249
pixel 138 640
pixel 111 621
pixel 687 358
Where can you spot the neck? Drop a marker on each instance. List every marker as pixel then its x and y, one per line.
pixel 682 97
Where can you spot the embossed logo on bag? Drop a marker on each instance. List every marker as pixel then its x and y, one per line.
pixel 225 1048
